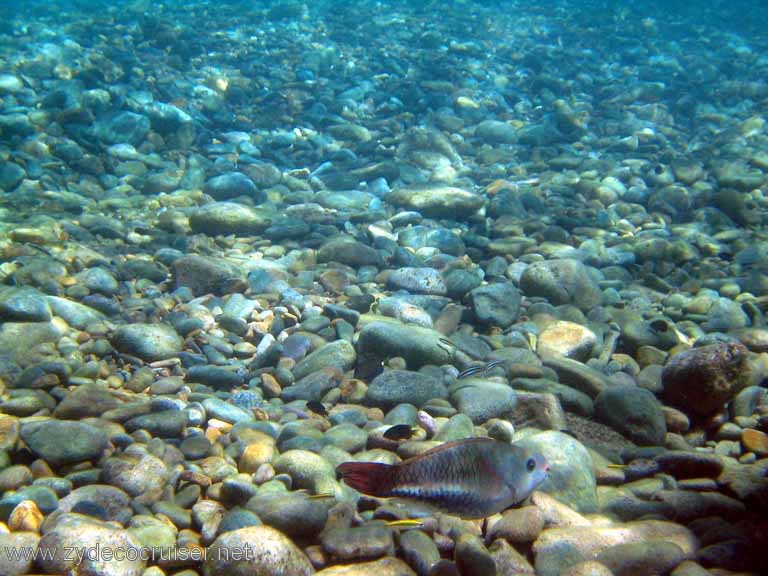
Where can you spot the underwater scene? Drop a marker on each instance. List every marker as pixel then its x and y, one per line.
pixel 383 288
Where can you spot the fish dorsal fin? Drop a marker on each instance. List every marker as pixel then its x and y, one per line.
pixel 447 446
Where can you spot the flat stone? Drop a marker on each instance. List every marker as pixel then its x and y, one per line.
pixel 203 275
pixel 86 401
pixel 231 185
pixel 383 567
pixel 387 339
pixel 225 218
pixel 682 464
pixel 417 281
pixel 150 342
pixel 22 304
pixel 395 387
pixel 63 442
pixel 577 375
pixel 292 513
pixel 561 281
pixel 482 400
pixel 270 553
pixel 338 354
pixel 557 549
pixel 567 339
pixel 633 411
pixel 437 201
pixel 71 531
pixel 358 543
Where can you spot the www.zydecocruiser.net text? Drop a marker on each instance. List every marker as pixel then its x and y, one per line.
pixel 100 553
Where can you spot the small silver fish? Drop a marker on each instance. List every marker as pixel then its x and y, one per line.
pixel 470 478
pixel 484 368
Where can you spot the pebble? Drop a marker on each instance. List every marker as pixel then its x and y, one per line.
pixel 269 553
pixel 64 442
pixel 150 342
pixel 395 387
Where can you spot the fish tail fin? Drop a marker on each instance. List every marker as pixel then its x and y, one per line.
pixel 372 478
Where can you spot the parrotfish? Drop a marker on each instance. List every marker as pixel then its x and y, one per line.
pixel 470 478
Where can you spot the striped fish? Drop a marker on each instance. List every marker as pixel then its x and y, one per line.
pixel 471 478
pixel 481 368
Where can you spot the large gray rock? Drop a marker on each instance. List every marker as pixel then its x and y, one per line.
pixel 496 132
pixel 350 252
pixel 76 314
pixel 633 411
pixel 337 354
pixel 225 218
pixel 231 185
pixel 563 281
pixel 313 386
pixel 150 342
pixel 203 275
pixel 482 400
pixel 702 380
pixel 395 387
pixel 64 442
pixel 291 512
pixel 419 346
pixel 496 304
pixel 75 531
pixel 417 281
pixel 557 549
pixel 136 474
pixel 123 127
pixel 11 562
pixel 23 305
pixel 571 477
pixel 438 201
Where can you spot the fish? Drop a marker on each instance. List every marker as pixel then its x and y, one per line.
pixel 317 407
pixel 471 478
pixel 484 368
pixel 398 432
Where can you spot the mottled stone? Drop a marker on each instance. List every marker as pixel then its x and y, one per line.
pixel 438 201
pixel 567 339
pixel 633 411
pixel 417 281
pixel 231 185
pixel 149 342
pixel 395 387
pixel 348 251
pixel 358 543
pixel 702 380
pixel 71 531
pixel 263 551
pixel 419 346
pixel 64 442
pixel 203 275
pixel 564 281
pixel 224 218
pixel 557 549
pixel 383 567
pixel 496 304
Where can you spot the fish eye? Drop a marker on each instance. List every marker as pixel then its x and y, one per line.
pixel 530 465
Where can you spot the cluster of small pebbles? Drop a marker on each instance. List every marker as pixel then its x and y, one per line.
pixel 234 255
